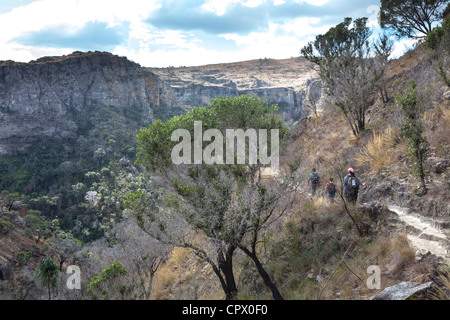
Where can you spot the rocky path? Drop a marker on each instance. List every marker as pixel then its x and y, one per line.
pixel 426 234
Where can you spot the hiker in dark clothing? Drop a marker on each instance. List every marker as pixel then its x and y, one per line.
pixel 330 190
pixel 351 186
pixel 314 180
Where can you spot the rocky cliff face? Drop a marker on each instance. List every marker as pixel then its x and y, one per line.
pixel 53 96
pixel 45 98
pixel 287 83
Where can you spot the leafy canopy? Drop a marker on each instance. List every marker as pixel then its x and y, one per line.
pixel 96 287
pixel 411 18
pixel 47 273
pixel 412 129
pixel 243 112
pixel 348 69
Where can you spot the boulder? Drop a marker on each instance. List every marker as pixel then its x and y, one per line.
pixel 446 95
pixel 438 165
pixel 373 209
pixel 402 291
pixel 21 208
pixel 441 166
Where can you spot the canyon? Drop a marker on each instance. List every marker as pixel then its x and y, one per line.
pixel 53 97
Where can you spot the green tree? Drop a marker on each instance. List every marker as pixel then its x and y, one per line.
pixel 37 226
pixel 78 191
pixel 438 42
pixel 6 226
pixel 230 204
pixel 48 271
pixel 349 72
pixel 108 282
pixel 412 130
pixel 9 198
pixel 411 18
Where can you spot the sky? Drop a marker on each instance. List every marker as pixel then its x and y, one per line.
pixel 157 33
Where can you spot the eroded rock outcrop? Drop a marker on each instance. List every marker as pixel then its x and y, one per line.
pixel 290 83
pixel 48 97
pixel 402 291
pixel 53 96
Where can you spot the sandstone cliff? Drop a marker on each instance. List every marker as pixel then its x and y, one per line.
pixel 53 97
pixel 44 98
pixel 285 82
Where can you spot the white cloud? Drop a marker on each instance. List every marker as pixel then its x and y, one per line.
pixel 148 45
pixel 72 14
pixel 193 56
pixel 145 44
pixel 219 7
pixel 302 27
pixel 253 3
pixel 314 2
pixel 402 46
pixel 281 40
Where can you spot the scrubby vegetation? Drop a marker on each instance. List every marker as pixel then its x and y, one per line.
pixel 78 181
pixel 144 228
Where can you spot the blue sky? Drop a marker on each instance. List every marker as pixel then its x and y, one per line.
pixel 172 32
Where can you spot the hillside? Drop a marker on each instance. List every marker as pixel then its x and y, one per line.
pixel 405 234
pixel 67 122
pixel 53 97
pixel 286 82
pixel 283 73
pixel 73 178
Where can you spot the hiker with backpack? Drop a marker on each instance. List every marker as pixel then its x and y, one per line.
pixel 314 179
pixel 330 190
pixel 351 186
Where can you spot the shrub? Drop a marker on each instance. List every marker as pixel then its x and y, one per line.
pixel 101 286
pixel 6 226
pixel 23 257
pixel 412 129
pixel 47 274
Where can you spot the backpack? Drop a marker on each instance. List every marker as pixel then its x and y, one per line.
pixel 314 178
pixel 331 188
pixel 352 184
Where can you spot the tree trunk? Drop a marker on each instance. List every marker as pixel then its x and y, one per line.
pixel 424 187
pixel 361 120
pixel 228 294
pixel 148 292
pixel 385 92
pixel 421 169
pixel 267 281
pixel 225 263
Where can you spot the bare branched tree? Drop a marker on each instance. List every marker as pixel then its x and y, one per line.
pixel 228 206
pixel 313 96
pixel 349 72
pixel 138 253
